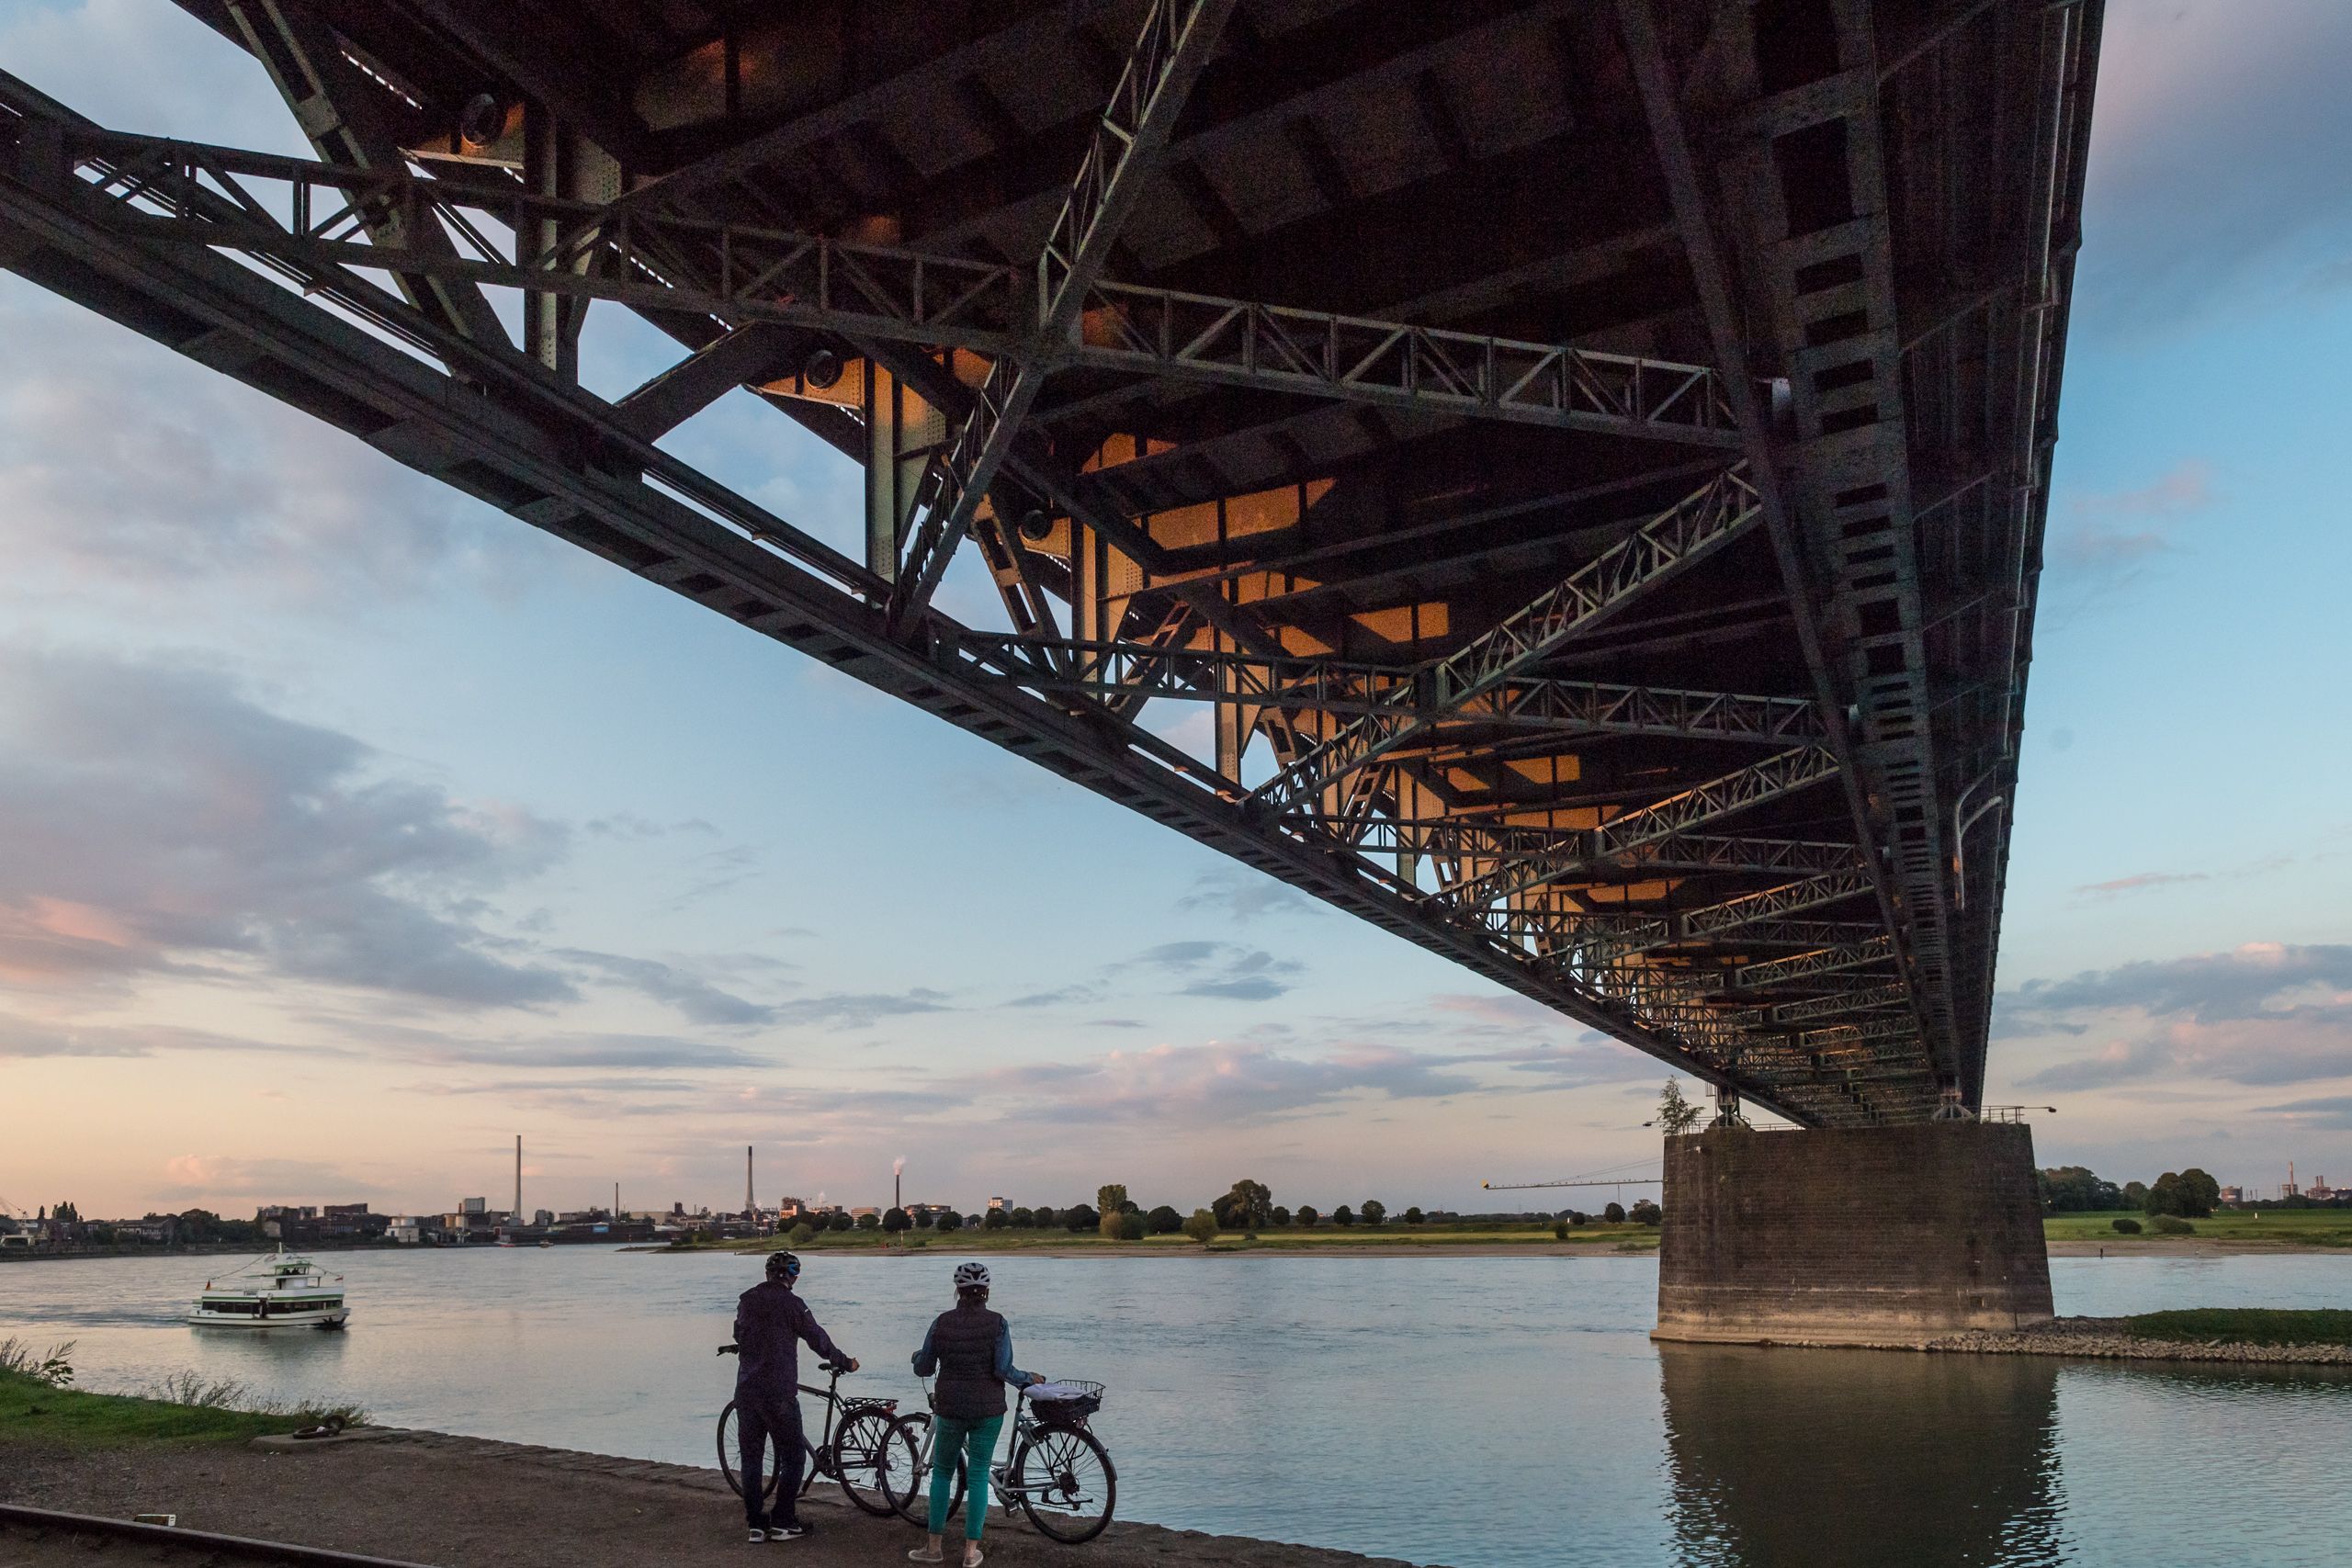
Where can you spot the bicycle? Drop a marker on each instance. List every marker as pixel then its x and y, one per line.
pixel 856 1454
pixel 1057 1471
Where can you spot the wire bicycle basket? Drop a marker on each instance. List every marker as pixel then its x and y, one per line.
pixel 1068 1402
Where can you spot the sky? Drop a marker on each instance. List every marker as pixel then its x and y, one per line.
pixel 349 828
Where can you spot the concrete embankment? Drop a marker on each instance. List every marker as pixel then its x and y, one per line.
pixel 454 1502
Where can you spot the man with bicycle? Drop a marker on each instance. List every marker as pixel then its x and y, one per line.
pixel 771 1322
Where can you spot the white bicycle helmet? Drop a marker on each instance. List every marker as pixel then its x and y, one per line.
pixel 971 1276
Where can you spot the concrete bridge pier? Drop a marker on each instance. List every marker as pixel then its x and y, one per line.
pixel 1854 1236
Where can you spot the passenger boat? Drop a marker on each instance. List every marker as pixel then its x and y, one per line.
pixel 273 1291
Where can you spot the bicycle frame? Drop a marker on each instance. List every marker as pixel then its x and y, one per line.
pixel 1025 1436
pixel 819 1458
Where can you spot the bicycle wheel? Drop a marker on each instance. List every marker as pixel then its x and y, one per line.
pixel 730 1446
pixel 1066 1484
pixel 909 1489
pixel 870 1447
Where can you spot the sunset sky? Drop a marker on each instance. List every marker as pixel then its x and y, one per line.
pixel 349 828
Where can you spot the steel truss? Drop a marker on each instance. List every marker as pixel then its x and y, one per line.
pixel 1687 531
pixel 495 422
pixel 1296 684
pixel 1158 74
pixel 371 218
pixel 1589 881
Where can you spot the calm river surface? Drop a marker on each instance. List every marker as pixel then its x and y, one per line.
pixel 1469 1410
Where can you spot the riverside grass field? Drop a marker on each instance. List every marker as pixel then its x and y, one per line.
pixel 2257 1229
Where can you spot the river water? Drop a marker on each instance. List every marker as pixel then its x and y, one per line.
pixel 1471 1411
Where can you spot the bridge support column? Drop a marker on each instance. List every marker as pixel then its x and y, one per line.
pixel 1853 1235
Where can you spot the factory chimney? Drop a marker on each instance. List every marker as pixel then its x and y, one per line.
pixel 749 1207
pixel 516 1223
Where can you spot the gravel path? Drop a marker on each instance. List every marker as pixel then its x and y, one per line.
pixel 469 1503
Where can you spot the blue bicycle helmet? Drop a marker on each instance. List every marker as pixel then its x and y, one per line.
pixel 784 1267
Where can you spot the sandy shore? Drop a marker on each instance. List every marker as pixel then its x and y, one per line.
pixel 469 1503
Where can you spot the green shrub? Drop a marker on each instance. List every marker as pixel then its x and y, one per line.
pixel 802 1235
pixel 2245 1325
pixel 1203 1226
pixel 2127 1227
pixel 2172 1225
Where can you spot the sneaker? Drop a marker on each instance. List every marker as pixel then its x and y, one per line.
pixel 758 1535
pixel 925 1554
pixel 792 1531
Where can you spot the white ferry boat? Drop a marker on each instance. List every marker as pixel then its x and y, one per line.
pixel 275 1292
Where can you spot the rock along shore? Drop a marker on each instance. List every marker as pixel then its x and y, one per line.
pixel 2099 1338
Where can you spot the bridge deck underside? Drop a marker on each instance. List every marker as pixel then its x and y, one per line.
pixel 1587 460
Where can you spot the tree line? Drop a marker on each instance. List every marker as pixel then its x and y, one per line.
pixel 1247 1206
pixel 2189 1194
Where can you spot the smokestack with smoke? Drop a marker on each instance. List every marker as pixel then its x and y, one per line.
pixel 898 1197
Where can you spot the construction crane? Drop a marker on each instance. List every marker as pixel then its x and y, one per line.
pixel 1604 1181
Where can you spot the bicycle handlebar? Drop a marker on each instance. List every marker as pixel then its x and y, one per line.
pixel 838 1369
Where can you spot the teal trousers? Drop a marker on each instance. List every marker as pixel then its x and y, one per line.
pixel 978 1439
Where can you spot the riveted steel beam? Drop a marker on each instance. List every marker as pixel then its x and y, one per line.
pixel 1692 529
pixel 1161 67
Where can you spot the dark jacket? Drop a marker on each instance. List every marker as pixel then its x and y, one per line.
pixel 963 1345
pixel 770 1323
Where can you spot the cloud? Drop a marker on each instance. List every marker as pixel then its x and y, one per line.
pixel 23 1037
pixel 2146 881
pixel 190 1177
pixel 2141 881
pixel 2333 1112
pixel 2110 540
pixel 698 999
pixel 1215 1084
pixel 128 472
pixel 609 1052
pixel 1222 969
pixel 161 822
pixel 2215 172
pixel 627 824
pixel 1242 896
pixel 2264 1013
pixel 1057 996
pixel 857 1010
pixel 2188 487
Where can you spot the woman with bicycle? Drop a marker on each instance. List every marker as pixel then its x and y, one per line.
pixel 970 1349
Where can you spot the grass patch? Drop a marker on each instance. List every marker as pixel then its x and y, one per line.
pixel 2244 1326
pixel 40 1404
pixel 2290 1227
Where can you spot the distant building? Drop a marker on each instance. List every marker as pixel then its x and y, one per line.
pixel 473 1206
pixel 2232 1196
pixel 996 1203
pixel 860 1213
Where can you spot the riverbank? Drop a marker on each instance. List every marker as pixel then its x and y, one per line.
pixel 470 1502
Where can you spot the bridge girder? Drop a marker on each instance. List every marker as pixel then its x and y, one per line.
pixel 1416 520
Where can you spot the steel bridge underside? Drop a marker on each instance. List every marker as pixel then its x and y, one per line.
pixel 1589 456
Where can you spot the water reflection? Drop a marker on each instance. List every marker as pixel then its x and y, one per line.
pixel 1831 1457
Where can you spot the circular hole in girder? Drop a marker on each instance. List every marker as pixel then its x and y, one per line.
pixel 482 120
pixel 822 369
